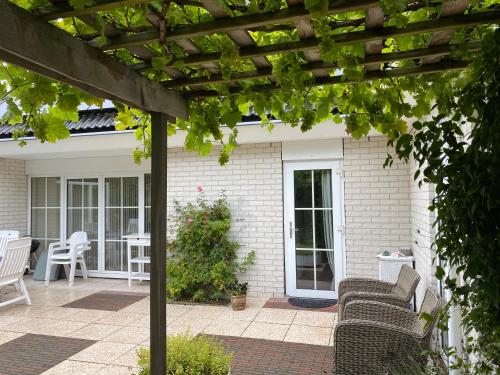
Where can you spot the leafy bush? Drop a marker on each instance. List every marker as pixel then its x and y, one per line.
pixel 187 355
pixel 203 262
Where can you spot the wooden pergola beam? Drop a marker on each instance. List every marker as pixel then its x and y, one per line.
pixel 226 25
pixel 369 76
pixel 65 10
pixel 349 38
pixel 375 59
pixel 29 42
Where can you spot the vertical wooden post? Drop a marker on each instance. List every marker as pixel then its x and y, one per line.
pixel 158 242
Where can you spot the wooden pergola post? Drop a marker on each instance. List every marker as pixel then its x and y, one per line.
pixel 158 242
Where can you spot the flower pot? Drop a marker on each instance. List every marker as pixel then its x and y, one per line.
pixel 238 302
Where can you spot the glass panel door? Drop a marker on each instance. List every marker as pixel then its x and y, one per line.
pixel 121 218
pixel 45 210
pixel 82 213
pixel 313 245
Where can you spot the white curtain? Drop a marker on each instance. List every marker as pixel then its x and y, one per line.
pixel 326 193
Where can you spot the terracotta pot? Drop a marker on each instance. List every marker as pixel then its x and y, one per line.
pixel 238 302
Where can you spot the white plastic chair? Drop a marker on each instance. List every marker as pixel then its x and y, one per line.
pixel 7 235
pixel 68 253
pixel 12 266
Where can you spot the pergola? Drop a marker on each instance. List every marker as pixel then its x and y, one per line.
pixel 30 39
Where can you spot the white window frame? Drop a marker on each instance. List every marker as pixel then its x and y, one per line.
pixel 101 272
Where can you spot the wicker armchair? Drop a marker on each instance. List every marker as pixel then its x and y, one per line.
pixel 378 338
pixel 399 294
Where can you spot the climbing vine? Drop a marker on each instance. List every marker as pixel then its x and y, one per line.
pixel 457 148
pixel 382 104
pixel 458 151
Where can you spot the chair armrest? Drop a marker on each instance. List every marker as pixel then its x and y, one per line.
pixel 382 313
pixel 355 284
pixel 366 347
pixel 58 246
pixel 367 296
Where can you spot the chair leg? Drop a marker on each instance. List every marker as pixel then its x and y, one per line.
pixel 66 270
pixel 83 266
pixel 47 272
pixel 24 291
pixel 72 272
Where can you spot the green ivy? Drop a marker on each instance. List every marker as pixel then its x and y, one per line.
pixel 458 151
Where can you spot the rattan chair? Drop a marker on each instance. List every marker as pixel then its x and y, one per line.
pixel 398 294
pixel 378 338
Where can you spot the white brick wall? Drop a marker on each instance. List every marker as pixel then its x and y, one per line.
pixel 377 205
pixel 13 195
pixel 422 233
pixel 252 181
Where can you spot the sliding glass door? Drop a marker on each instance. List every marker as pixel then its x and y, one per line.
pixel 106 207
pixel 121 218
pixel 45 210
pixel 82 212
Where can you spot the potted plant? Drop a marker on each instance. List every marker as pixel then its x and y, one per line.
pixel 238 293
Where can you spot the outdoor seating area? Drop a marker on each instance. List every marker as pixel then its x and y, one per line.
pixel 249 187
pixel 98 325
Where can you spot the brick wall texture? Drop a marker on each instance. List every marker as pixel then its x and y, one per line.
pixel 422 233
pixel 252 181
pixel 384 209
pixel 13 195
pixel 377 205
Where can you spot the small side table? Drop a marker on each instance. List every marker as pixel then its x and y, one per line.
pixel 140 241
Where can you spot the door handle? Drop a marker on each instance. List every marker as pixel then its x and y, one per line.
pixel 291 229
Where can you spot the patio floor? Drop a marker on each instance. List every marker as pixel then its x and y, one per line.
pixel 97 326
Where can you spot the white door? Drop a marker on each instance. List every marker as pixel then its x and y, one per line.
pixel 313 228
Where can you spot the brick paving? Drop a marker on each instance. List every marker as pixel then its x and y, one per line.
pixel 267 357
pixel 107 300
pixel 282 303
pixel 34 354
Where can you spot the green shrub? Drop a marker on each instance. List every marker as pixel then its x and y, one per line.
pixel 202 262
pixel 187 355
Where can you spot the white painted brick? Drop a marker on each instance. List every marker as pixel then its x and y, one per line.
pixel 13 195
pixel 253 183
pixel 377 204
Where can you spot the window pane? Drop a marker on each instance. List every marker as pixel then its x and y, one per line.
pixel 38 223
pixel 130 191
pixel 324 270
pixel 53 192
pixel 53 216
pixel 113 223
pixel 130 221
pixel 147 189
pixel 323 222
pixel 90 192
pixel 304 261
pixel 113 256
pixel 303 189
pixel 75 220
pixel 113 192
pixel 323 188
pixel 75 194
pixel 38 192
pixel 122 218
pixel 303 229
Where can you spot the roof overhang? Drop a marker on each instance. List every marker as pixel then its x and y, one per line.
pixel 124 142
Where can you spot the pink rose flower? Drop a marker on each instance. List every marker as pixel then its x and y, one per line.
pixel 200 189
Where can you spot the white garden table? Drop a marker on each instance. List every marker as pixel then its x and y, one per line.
pixel 140 241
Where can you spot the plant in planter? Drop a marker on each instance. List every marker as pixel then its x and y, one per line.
pixel 188 355
pixel 238 292
pixel 202 258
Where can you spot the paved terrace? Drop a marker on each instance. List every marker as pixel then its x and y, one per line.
pixel 97 326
